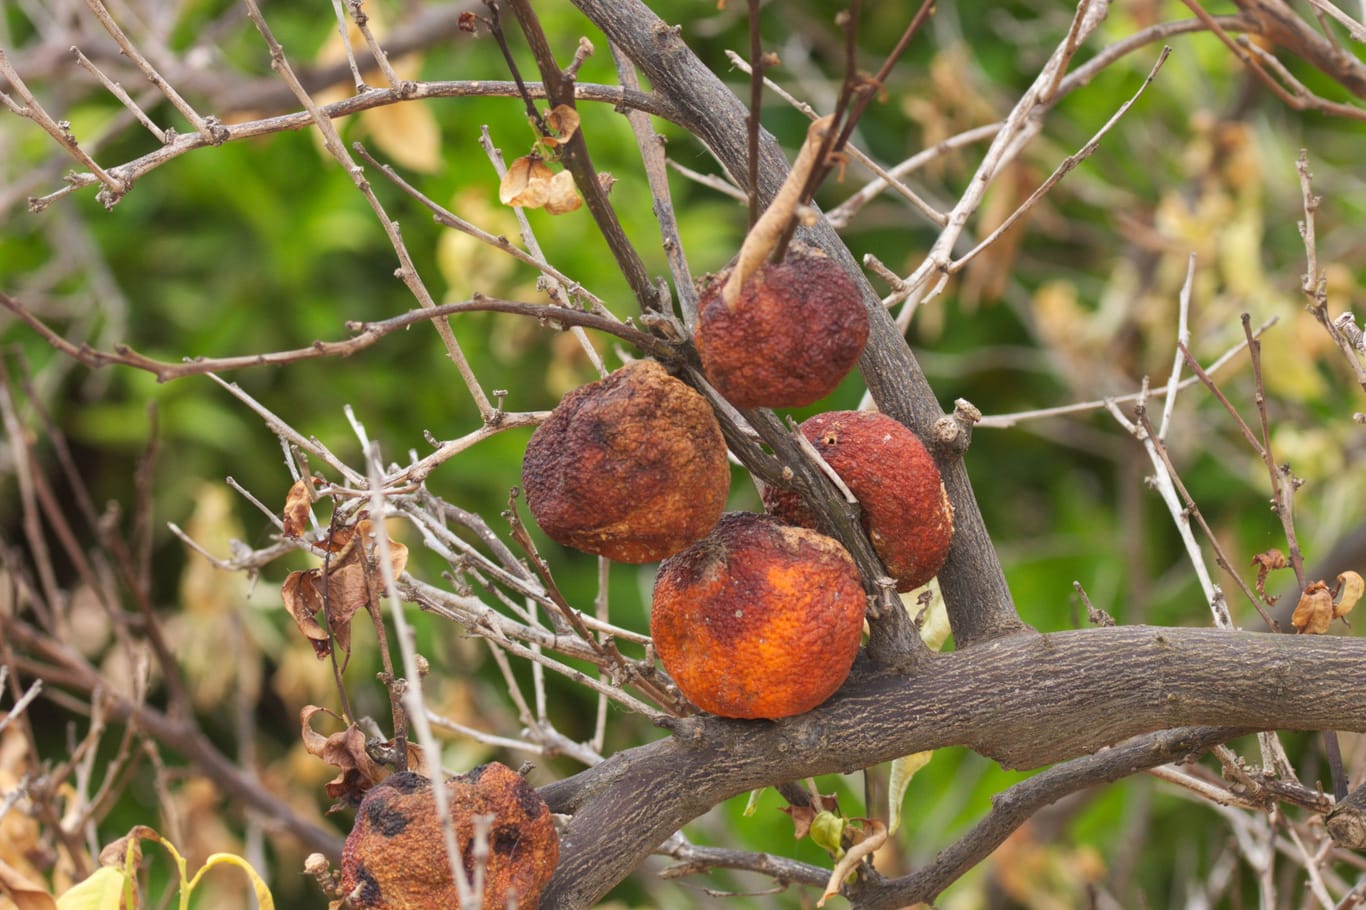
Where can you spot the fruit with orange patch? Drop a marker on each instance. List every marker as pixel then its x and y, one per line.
pixel 759 619
pixel 795 331
pixel 631 467
pixel 906 510
pixel 395 856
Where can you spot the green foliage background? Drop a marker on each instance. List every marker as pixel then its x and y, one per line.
pixel 265 245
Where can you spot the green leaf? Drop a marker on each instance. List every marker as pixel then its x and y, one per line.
pixel 827 829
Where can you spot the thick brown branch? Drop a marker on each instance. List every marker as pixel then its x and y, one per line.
pixel 1025 701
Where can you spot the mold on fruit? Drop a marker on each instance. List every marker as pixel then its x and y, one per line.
pixel 759 619
pixel 631 467
pixel 906 510
pixel 395 856
pixel 794 332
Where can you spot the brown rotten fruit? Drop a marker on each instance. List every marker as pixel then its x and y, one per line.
pixel 632 467
pixel 395 856
pixel 795 330
pixel 906 510
pixel 758 619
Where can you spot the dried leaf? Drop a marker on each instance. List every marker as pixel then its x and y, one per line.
pixel 351 584
pixel 564 120
pixel 872 839
pixel 1265 563
pixel 561 196
pixel 408 133
pixel 525 183
pixel 903 769
pixel 1350 587
pixel 802 817
pixel 297 503
pixel 344 750
pixel 25 894
pixel 303 600
pixel 1314 612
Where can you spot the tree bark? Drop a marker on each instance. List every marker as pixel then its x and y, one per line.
pixel 1024 700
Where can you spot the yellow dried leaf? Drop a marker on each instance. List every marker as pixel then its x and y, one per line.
pixel 26 894
pixel 561 197
pixel 1314 612
pixel 408 133
pixel 1350 588
pixel 526 183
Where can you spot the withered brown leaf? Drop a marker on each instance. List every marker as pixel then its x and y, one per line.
pixel 525 182
pixel 344 750
pixel 803 816
pixel 564 120
pixel 1265 563
pixel 531 184
pixel 1314 612
pixel 297 503
pixel 349 582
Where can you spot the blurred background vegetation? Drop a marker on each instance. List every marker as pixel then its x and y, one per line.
pixel 265 245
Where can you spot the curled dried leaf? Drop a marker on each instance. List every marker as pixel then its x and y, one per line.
pixel 561 197
pixel 871 840
pixel 349 582
pixel 1265 563
pixel 1314 612
pixel 524 182
pixel 564 120
pixel 344 750
pixel 1349 591
pixel 297 503
pixel 303 600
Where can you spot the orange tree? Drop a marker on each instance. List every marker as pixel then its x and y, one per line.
pixel 1050 204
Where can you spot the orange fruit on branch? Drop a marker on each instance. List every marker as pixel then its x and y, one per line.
pixel 906 510
pixel 631 467
pixel 395 856
pixel 758 619
pixel 795 331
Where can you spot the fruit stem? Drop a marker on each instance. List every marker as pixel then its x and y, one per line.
pixel 771 224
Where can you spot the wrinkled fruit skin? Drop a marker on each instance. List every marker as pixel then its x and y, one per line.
pixel 906 510
pixel 759 619
pixel 632 467
pixel 796 331
pixel 396 854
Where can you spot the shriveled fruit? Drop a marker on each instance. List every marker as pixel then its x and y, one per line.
pixel 796 329
pixel 758 619
pixel 395 856
pixel 632 467
pixel 906 510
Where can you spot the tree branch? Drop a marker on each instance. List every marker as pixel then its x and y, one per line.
pixel 1071 693
pixel 973 584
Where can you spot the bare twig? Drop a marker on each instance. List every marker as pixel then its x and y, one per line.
pixel 1061 171
pixel 1004 421
pixel 208 128
pixel 367 333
